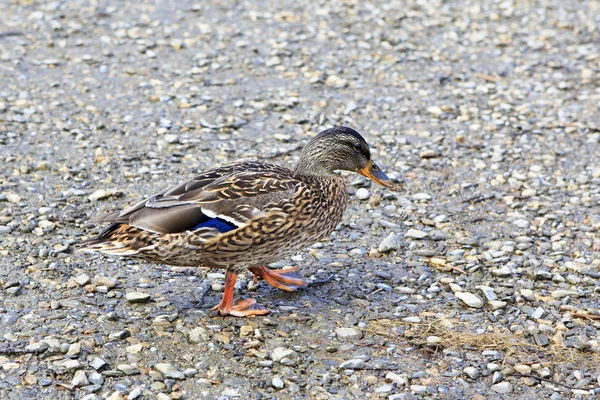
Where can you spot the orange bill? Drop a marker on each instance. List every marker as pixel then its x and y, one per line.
pixel 374 173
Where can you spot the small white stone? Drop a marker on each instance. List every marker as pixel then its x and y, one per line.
pixel 12 197
pixel 384 388
pixel 80 379
pixel 99 195
pixel 522 369
pixel 169 371
pixel 432 340
pixel 492 367
pixel 134 394
pixel 470 299
pixel 171 138
pixel 230 392
pixel 418 389
pixel 277 382
pixel 502 271
pixel 355 363
pixel 528 193
pixel 400 380
pixel 117 396
pixel 502 387
pixel 472 372
pixel 391 242
pixel 106 281
pixel 70 364
pixel 404 290
pixel 82 279
pixel 348 334
pixel 279 353
pixel 497 304
pixel 134 348
pixel 421 196
pixel 45 224
pixel 560 293
pixel 137 297
pixel 415 234
pixel 363 194
pixel 521 223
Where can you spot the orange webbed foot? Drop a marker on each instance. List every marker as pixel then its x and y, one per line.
pixel 241 307
pixel 287 279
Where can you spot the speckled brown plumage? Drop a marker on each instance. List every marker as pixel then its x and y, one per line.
pixel 245 214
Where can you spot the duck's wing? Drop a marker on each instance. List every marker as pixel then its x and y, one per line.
pixel 224 199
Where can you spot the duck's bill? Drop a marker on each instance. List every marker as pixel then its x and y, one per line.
pixel 374 173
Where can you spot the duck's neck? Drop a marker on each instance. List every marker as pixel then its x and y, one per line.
pixel 311 168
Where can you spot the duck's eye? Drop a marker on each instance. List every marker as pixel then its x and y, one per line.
pixel 357 146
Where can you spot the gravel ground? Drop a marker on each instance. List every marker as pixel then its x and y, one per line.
pixel 478 280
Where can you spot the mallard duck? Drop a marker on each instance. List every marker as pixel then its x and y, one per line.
pixel 244 215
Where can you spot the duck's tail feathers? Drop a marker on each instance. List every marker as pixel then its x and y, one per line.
pixel 119 240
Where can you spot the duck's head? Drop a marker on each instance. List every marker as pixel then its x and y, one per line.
pixel 340 148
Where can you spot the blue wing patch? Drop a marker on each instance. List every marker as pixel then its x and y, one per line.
pixel 218 224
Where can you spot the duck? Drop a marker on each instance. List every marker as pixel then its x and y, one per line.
pixel 244 216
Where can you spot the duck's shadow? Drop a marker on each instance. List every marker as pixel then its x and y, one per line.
pixel 203 300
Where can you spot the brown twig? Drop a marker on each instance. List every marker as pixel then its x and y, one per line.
pixel 587 316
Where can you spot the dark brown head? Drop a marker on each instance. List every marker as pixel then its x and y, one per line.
pixel 340 148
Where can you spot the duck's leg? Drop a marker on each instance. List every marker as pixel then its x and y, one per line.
pixel 237 307
pixel 286 279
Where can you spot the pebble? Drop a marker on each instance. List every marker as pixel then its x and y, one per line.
pixel 522 369
pixel 472 372
pixel 387 388
pixel 497 377
pixel 99 195
pixel 279 353
pixel 106 281
pixel 80 379
pixel 277 382
pixel 128 369
pixel 503 388
pixel 82 279
pixel 470 299
pixel 98 363
pixel 38 347
pixel 503 271
pixel 138 297
pixel 349 334
pixel 497 304
pixel 418 389
pixel 415 234
pixel 119 335
pixel 398 379
pixel 12 197
pixel 246 330
pixel 134 394
pixel 95 378
pixel 353 364
pixel 421 196
pixel 363 194
pixel 560 294
pixel 169 371
pixel 390 243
